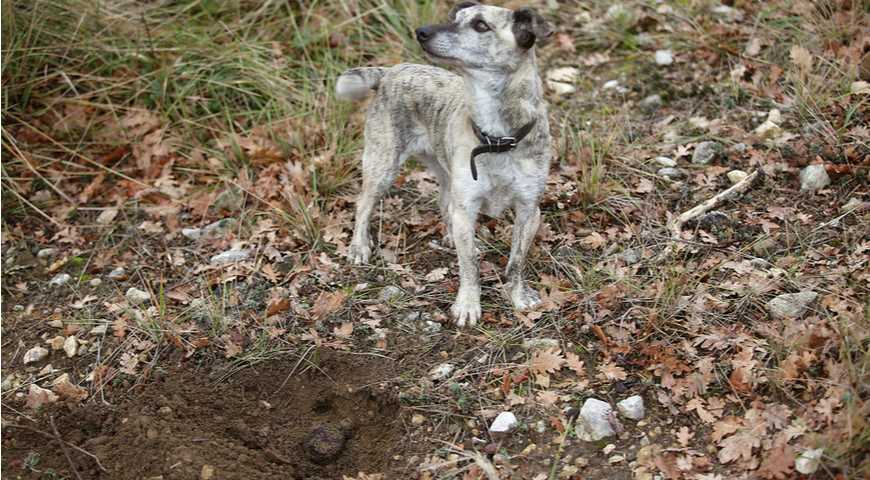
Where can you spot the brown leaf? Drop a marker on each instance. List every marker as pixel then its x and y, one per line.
pixel 547 360
pixel 343 331
pixel 277 305
pixel 119 327
pixel 801 57
pixel 573 362
pixel 778 463
pixel 68 391
pixel 592 241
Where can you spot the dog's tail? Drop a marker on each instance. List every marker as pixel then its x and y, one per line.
pixel 356 83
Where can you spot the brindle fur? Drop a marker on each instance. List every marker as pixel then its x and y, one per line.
pixel 426 112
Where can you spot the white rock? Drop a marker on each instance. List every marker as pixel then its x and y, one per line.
pixel 211 230
pixel 95 282
pixel 564 74
pixel 665 161
pixel 56 342
pixel 532 344
pixel 610 85
pixel 855 204
pixel 99 330
pixel 441 371
pixel 808 461
pixel 737 176
pixel 560 88
pixel 814 177
pixel 46 252
pixel 672 173
pixel 192 233
pixel 390 293
pixel 664 57
pixel 35 354
pixel 60 279
pixel 705 152
pixel 726 13
pixel 632 407
pixel 71 346
pixel 117 274
pixel 230 256
pixel 503 423
pixel 418 419
pixel 136 296
pixel 593 424
pixel 652 102
pixel 791 305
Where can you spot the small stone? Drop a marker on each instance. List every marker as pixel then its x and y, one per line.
pixel 207 472
pixel 664 57
pixel 71 346
pixel 615 459
pixel 610 85
pixel 855 204
pixel 99 330
pixel 533 344
pixel 390 293
pixel 56 343
pixel 566 75
pixel 593 424
pixel 726 13
pixel 665 162
pixel 608 449
pixel 324 443
pixel 814 177
pixel 46 252
pixel 765 246
pixel 738 148
pixel 808 461
pixel 191 233
pixel 540 426
pixel 431 327
pixel 164 411
pixel 791 305
pixel 211 230
pixel 34 355
pixel 417 419
pixel 671 173
pixel 230 256
pixel 561 88
pixel 231 199
pixel 706 152
pixel 95 282
pixel 441 371
pixel 118 274
pixel 60 279
pixel 581 462
pixel 737 176
pixel 651 103
pixel 136 296
pixel 505 422
pixel 630 256
pixel 632 407
pixel 56 323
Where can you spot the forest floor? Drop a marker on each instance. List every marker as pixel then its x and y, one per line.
pixel 178 187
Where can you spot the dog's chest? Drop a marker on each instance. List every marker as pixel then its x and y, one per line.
pixel 504 182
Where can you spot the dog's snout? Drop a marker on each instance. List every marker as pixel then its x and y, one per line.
pixel 425 33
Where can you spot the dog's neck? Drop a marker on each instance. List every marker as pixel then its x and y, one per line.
pixel 501 103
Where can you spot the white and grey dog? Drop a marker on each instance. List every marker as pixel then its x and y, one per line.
pixel 484 134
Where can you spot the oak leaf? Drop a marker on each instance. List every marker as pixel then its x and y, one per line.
pixel 547 360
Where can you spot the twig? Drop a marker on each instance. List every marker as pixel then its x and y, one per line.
pixel 52 436
pixel 675 225
pixel 66 454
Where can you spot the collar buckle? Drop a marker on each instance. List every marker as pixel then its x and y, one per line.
pixel 510 141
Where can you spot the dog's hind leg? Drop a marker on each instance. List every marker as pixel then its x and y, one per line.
pixel 380 165
pixel 526 223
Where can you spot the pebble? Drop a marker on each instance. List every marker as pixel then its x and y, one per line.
pixel 561 80
pixel 814 177
pixel 390 293
pixel 46 252
pixel 230 256
pixel 791 305
pixel 671 173
pixel 736 176
pixel 540 426
pixel 630 256
pixel 211 230
pixel 95 282
pixel 324 443
pixel 726 13
pixel 608 449
pixel 615 459
pixel 665 162
pixel 651 103
pixel 542 343
pixel 418 419
pixel 56 343
pixel 99 330
pixel 855 204
pixel 808 461
pixel 632 407
pixel 207 472
pixel 664 57
pixel 35 354
pixel 165 411
pixel 71 346
pixel 610 85
pixel 60 279
pixel 118 274
pixel 136 296
pixel 593 424
pixel 705 152
pixel 765 246
pixel 560 88
pixel 441 371
pixel 505 422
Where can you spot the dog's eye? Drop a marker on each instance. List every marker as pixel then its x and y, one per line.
pixel 480 26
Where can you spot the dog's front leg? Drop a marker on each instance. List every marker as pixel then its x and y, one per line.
pixel 526 223
pixel 466 309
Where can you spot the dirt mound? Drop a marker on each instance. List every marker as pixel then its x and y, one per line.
pixel 329 421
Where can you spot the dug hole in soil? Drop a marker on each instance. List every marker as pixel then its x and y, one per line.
pixel 330 420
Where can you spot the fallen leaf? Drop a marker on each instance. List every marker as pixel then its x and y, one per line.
pixel 327 303
pixel 107 215
pixel 436 275
pixel 547 360
pixel 777 463
pixel 343 331
pixel 801 57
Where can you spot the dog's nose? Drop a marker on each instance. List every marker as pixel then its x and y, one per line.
pixel 424 33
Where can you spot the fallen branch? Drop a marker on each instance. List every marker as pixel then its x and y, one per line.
pixel 675 225
pixel 62 441
pixel 72 464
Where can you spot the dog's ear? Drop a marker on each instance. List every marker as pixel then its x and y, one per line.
pixel 459 6
pixel 530 28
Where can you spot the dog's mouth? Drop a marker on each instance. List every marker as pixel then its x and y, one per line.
pixel 434 55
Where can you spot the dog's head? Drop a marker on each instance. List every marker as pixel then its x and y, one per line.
pixel 483 37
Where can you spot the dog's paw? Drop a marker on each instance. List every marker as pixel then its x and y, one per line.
pixel 466 310
pixel 524 298
pixel 359 254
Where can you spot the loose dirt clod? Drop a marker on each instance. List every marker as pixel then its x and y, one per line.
pixel 325 443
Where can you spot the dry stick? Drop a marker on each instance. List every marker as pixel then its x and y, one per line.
pixel 66 454
pixel 675 226
pixel 50 435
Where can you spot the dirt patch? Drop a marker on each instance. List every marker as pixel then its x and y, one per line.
pixel 332 420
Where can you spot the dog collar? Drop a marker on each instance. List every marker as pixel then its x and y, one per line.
pixel 490 144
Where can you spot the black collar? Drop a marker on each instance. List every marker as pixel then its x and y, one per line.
pixel 490 144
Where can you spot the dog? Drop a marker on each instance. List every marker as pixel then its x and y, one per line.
pixel 483 132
